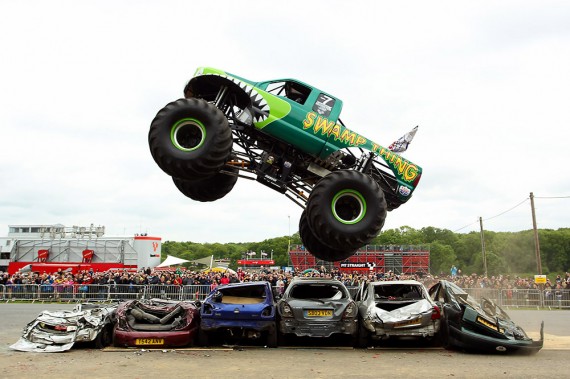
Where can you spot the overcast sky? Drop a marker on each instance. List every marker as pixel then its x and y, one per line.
pixel 487 82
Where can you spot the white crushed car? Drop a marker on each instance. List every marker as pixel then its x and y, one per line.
pixel 58 331
pixel 396 309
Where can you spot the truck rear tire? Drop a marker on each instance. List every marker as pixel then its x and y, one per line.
pixel 208 189
pixel 190 139
pixel 316 247
pixel 346 210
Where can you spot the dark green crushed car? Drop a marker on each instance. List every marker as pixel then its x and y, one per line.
pixel 287 135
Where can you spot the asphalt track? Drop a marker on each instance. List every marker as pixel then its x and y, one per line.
pixel 313 359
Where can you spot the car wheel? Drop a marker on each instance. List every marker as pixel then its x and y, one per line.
pixel 283 339
pixel 190 139
pixel 105 337
pixel 363 335
pixel 346 210
pixel 203 338
pixel 442 338
pixel 208 189
pixel 272 338
pixel 316 247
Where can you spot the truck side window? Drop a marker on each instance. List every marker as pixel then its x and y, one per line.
pixel 291 90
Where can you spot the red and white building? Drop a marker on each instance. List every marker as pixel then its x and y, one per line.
pixel 48 248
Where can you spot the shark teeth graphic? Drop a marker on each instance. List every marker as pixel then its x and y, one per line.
pixel 257 100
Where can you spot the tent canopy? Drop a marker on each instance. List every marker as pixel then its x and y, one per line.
pixel 221 270
pixel 208 261
pixel 172 261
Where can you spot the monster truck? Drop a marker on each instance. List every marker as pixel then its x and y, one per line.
pixel 288 136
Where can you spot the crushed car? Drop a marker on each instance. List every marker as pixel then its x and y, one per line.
pixel 58 331
pixel 396 309
pixel 481 326
pixel 156 323
pixel 317 307
pixel 239 312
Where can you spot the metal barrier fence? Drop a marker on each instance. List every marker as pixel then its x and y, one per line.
pixel 509 298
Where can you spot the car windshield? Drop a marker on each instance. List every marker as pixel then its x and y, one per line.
pixel 398 291
pixel 318 291
pixel 244 291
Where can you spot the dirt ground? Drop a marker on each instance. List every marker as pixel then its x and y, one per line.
pixel 284 362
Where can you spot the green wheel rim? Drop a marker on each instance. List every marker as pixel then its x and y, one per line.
pixel 188 134
pixel 348 207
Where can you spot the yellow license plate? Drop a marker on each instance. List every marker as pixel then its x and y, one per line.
pixel 319 313
pixel 149 341
pixel 408 323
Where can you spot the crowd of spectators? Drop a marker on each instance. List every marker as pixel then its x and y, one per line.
pixel 278 278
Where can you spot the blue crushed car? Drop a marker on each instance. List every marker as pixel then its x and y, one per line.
pixel 238 312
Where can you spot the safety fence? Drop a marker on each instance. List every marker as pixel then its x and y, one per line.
pixel 509 298
pixel 96 292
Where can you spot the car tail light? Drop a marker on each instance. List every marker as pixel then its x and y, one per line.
pixel 122 323
pixel 61 328
pixel 436 314
pixel 267 311
pixel 207 309
pixel 350 310
pixel 286 310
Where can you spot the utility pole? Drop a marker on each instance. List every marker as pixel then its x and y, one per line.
pixel 289 242
pixel 483 246
pixel 536 243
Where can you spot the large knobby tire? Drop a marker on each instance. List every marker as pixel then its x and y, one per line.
pixel 346 210
pixel 190 139
pixel 316 247
pixel 208 189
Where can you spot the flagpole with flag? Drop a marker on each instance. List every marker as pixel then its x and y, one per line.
pixel 401 144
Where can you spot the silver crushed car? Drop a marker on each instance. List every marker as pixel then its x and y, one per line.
pixel 58 331
pixel 317 307
pixel 396 309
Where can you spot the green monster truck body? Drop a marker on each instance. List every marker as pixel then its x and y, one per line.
pixel 288 136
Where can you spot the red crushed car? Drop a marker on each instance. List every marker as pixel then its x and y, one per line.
pixel 156 323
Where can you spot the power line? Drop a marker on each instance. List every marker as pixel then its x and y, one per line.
pixel 512 208
pixel 456 230
pixel 508 210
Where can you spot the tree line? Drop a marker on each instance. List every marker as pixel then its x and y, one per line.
pixel 506 252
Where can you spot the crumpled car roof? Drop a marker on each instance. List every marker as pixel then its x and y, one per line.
pixel 86 321
pixel 403 313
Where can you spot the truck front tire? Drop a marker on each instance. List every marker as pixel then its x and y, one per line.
pixel 346 210
pixel 208 189
pixel 190 139
pixel 316 247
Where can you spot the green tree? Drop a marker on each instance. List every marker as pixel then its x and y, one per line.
pixel 442 257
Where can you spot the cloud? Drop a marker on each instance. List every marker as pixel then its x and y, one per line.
pixel 81 83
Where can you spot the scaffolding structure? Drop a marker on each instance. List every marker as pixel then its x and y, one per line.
pixel 399 259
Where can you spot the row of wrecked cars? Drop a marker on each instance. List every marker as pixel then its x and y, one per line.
pixel 310 307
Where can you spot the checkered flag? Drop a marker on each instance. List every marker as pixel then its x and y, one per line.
pixel 401 144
